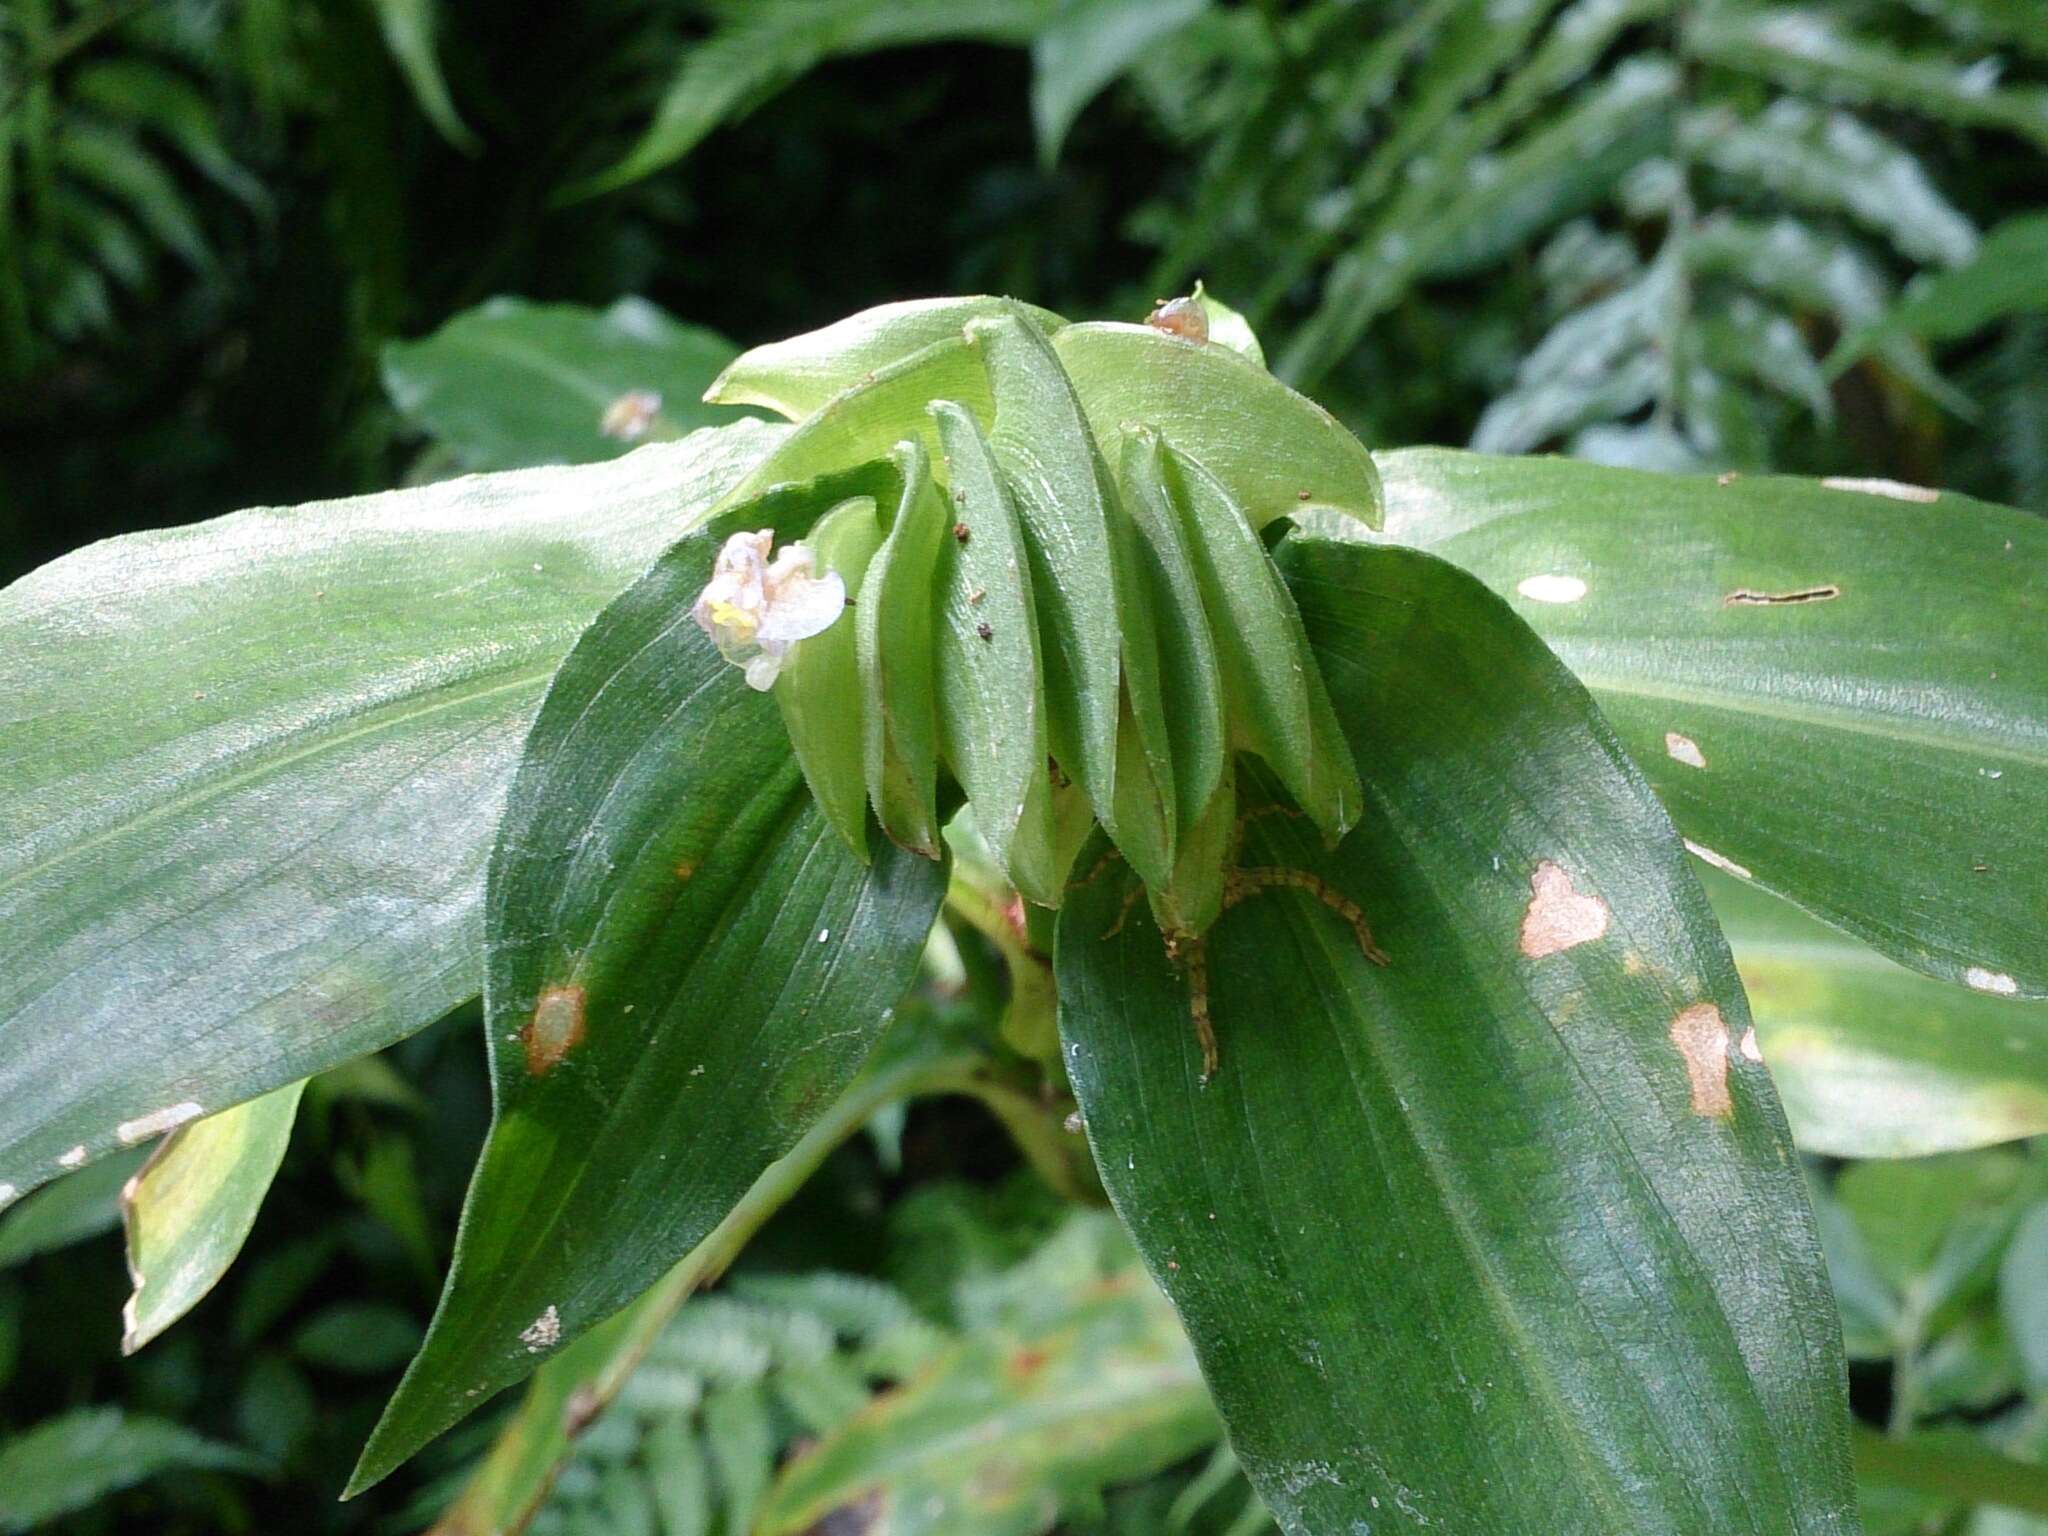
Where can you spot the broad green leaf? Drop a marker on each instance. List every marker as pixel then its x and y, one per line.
pixel 511 383
pixel 76 1207
pixel 192 1206
pixel 585 1378
pixel 1086 46
pixel 1052 467
pixel 893 625
pixel 819 689
pixel 2007 276
pixel 1010 1428
pixel 1278 453
pixel 1278 706
pixel 409 27
pixel 685 967
pixel 1503 1234
pixel 992 720
pixel 252 772
pixel 1838 689
pixel 799 375
pixel 1874 1060
pixel 66 1463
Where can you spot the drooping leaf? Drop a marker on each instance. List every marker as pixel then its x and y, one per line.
pixel 769 43
pixel 1088 44
pixel 1838 690
pixel 409 27
pixel 1276 451
pixel 510 383
pixel 800 374
pixel 1503 1234
pixel 252 771
pixel 685 968
pixel 1012 1426
pixel 192 1206
pixel 64 1464
pixel 1874 1060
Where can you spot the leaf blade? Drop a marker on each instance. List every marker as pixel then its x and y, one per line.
pixel 220 778
pixel 1353 1096
pixel 667 909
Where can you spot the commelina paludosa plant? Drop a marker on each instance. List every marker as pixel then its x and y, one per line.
pixel 1350 800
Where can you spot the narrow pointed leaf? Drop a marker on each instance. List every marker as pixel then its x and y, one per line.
pixel 819 689
pixel 1278 452
pixel 1190 678
pixel 893 640
pixel 1047 459
pixel 252 769
pixel 1504 1234
pixel 192 1206
pixel 685 968
pixel 1278 706
pixel 1874 1060
pixel 801 374
pixel 1840 690
pixel 992 725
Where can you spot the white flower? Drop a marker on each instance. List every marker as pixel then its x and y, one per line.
pixel 754 610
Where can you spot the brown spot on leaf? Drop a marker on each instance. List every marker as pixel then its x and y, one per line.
pixel 686 868
pixel 1744 597
pixel 1026 1363
pixel 555 1029
pixel 1702 1039
pixel 1559 918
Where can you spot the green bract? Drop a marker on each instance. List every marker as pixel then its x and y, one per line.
pixel 1070 593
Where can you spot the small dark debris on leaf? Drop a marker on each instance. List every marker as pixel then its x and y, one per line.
pixel 960 532
pixel 982 629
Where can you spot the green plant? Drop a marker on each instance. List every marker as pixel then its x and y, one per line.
pixel 1322 817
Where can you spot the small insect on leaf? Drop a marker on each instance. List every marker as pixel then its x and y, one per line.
pixel 1185 318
